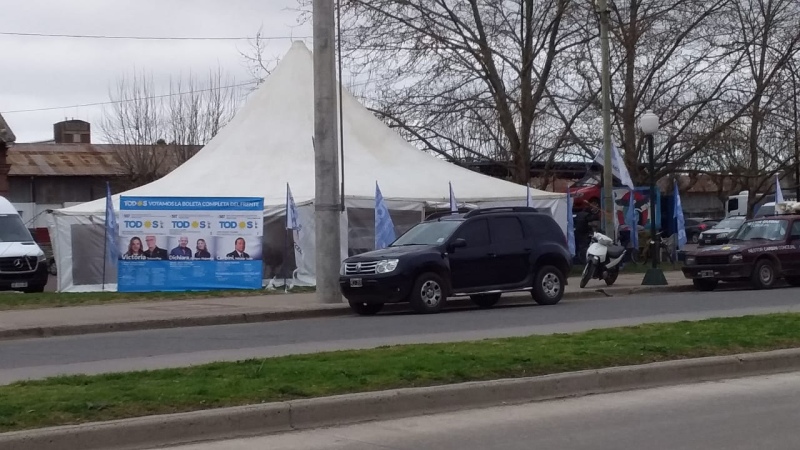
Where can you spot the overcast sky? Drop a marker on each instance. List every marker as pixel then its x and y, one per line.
pixel 44 72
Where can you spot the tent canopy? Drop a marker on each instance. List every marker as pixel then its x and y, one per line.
pixel 269 143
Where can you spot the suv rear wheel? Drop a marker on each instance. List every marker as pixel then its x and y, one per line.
pixel 366 309
pixel 485 300
pixel 428 295
pixel 548 286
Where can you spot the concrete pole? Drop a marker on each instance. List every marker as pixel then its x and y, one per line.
pixel 608 185
pixel 326 167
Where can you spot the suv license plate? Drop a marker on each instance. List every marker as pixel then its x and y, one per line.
pixel 356 282
pixel 22 284
pixel 708 241
pixel 706 274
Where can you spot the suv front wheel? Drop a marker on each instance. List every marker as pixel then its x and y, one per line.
pixel 428 295
pixel 548 286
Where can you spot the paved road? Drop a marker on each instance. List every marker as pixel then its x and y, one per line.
pixel 744 414
pixel 125 351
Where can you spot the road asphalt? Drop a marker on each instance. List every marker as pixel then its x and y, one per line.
pixel 177 347
pixel 741 414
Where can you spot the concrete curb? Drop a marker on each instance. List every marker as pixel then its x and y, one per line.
pixel 271 316
pixel 225 423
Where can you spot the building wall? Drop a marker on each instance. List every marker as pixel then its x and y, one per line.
pixel 702 204
pixel 55 190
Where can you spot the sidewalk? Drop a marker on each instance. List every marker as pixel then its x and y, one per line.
pixel 220 311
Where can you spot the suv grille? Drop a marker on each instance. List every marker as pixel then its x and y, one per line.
pixel 712 260
pixel 18 264
pixel 360 268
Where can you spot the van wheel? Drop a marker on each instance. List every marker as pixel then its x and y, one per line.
pixel 485 300
pixel 366 309
pixel 764 274
pixel 705 285
pixel 548 286
pixel 428 295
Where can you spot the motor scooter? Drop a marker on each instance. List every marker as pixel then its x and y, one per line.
pixel 603 260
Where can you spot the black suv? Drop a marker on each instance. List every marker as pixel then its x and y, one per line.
pixel 480 254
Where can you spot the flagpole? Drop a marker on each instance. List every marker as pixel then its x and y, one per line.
pixel 286 260
pixel 105 252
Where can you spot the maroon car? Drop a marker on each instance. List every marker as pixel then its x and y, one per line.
pixel 762 251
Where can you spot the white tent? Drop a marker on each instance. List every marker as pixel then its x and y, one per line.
pixel 269 144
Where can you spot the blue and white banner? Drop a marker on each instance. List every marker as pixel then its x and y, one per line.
pixel 190 243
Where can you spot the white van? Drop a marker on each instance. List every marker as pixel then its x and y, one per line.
pixel 23 265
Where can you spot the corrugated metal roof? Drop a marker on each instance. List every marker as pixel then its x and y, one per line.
pixel 49 159
pixel 63 160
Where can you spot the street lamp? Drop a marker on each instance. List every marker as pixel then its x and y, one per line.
pixel 654 276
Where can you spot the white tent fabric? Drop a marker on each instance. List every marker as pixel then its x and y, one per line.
pixel 268 144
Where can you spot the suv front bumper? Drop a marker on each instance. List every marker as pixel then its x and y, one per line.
pixel 385 288
pixel 720 272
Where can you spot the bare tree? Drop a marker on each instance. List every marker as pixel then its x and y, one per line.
pixel 156 133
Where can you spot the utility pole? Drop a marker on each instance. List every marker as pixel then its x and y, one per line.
pixel 326 167
pixel 796 133
pixel 608 174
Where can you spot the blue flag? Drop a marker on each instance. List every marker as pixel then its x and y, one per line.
pixel 384 227
pixel 291 211
pixel 112 252
pixel 570 226
pixel 630 219
pixel 680 223
pixel 453 202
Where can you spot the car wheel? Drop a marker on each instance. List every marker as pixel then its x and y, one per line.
pixel 695 238
pixel 34 289
pixel 366 309
pixel 485 300
pixel 548 286
pixel 793 281
pixel 429 294
pixel 764 274
pixel 705 285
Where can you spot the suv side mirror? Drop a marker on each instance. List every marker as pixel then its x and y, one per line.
pixel 458 243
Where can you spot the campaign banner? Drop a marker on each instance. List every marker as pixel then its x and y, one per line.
pixel 190 243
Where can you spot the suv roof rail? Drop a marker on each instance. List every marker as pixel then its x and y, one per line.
pixel 481 211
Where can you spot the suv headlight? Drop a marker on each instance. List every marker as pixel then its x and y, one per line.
pixel 386 265
pixel 736 258
pixel 690 260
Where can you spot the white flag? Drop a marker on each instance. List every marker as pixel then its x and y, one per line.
pixel 778 191
pixel 617 166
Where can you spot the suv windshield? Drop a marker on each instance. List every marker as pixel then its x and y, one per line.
pixel 771 230
pixel 428 233
pixel 13 230
pixel 730 223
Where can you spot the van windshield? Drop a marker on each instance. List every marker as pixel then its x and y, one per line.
pixel 13 230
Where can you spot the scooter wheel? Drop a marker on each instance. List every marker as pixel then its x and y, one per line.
pixel 588 272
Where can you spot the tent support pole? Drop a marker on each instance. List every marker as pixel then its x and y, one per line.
pixel 341 107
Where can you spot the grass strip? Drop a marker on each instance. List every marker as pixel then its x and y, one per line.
pixel 14 301
pixel 77 399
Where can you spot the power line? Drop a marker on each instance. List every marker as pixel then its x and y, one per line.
pixel 53 108
pixel 153 38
